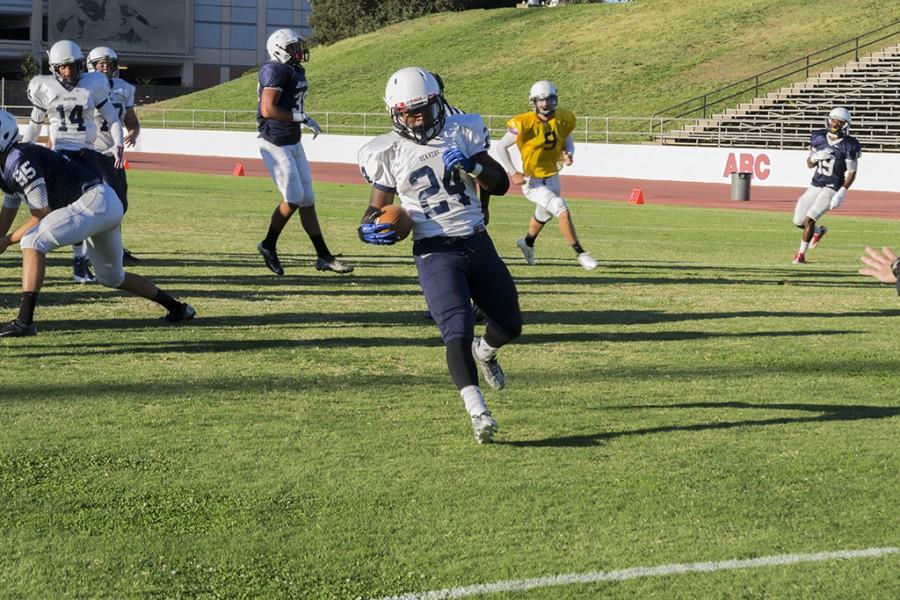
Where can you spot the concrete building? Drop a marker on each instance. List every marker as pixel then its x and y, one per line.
pixel 168 42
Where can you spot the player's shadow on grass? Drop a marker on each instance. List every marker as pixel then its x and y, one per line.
pixel 647 317
pixel 825 413
pixel 266 343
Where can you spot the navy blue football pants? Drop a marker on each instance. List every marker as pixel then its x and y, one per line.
pixel 453 272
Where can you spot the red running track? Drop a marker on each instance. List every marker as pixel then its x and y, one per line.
pixel 706 195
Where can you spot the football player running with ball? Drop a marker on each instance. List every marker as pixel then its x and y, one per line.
pixel 544 138
pixel 834 155
pixel 68 203
pixel 433 161
pixel 282 93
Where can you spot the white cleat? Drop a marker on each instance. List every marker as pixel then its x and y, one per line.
pixel 527 251
pixel 587 261
pixel 484 427
pixel 490 368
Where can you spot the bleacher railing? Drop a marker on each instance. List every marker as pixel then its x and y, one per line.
pixel 751 87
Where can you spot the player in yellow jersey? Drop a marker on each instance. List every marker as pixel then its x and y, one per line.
pixel 544 139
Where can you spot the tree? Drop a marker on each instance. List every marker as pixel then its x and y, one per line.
pixel 30 68
pixel 335 20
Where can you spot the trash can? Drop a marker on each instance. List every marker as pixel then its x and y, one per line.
pixel 740 186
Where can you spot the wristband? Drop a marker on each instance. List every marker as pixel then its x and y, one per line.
pixel 474 173
pixel 298 117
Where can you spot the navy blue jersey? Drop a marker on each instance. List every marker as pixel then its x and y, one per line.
pixel 293 85
pixel 29 165
pixel 831 173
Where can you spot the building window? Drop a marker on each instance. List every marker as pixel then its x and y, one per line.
pixel 207 35
pixel 243 37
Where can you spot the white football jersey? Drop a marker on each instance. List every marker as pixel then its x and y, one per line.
pixel 71 112
pixel 121 95
pixel 439 202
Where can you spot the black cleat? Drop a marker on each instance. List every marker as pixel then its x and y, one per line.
pixel 331 263
pixel 128 258
pixel 271 258
pixel 17 328
pixel 185 313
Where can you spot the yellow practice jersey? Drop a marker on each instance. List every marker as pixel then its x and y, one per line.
pixel 541 143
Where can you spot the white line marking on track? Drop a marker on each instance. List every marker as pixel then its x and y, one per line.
pixel 636 572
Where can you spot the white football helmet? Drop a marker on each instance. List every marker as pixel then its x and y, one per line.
pixel 288 47
pixel 9 131
pixel 415 90
pixel 543 90
pixel 841 114
pixel 101 53
pixel 66 52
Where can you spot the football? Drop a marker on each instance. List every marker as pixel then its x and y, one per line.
pixel 398 218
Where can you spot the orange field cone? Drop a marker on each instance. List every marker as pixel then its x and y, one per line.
pixel 239 169
pixel 125 165
pixel 637 196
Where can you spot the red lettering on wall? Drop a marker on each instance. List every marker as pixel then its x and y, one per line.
pixel 760 166
pixel 762 169
pixel 730 165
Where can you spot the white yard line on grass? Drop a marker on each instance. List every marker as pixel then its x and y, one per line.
pixel 636 572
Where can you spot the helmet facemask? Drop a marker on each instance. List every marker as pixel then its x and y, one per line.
pixel 424 129
pixel 70 81
pixel 550 107
pixel 837 127
pixel 111 66
pixel 297 52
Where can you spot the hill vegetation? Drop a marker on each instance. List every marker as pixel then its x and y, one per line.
pixel 608 59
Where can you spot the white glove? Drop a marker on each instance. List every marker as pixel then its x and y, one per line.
pixel 313 126
pixel 838 198
pixel 821 155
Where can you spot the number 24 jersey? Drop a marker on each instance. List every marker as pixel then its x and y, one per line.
pixel 440 202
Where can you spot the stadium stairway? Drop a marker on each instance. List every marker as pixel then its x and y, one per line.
pixel 869 87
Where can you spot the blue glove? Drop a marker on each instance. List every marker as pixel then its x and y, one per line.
pixel 380 234
pixel 455 158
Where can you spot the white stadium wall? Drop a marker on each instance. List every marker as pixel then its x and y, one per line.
pixel 877 172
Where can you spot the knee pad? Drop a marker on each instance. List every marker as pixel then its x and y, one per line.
pixel 557 206
pixel 542 215
pixel 108 277
pixel 41 241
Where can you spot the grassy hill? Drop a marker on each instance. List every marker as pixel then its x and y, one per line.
pixel 607 59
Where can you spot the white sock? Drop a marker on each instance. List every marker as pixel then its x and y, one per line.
pixel 473 400
pixel 483 350
pixel 78 250
pixel 803 247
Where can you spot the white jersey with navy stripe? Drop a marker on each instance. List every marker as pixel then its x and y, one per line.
pixel 121 95
pixel 441 203
pixel 71 112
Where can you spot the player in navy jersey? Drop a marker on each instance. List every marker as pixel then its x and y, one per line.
pixel 834 154
pixel 432 162
pixel 282 94
pixel 68 203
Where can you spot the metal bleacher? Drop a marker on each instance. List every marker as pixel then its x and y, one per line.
pixel 869 86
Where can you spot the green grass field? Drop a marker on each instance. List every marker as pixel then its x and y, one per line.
pixel 695 398
pixel 608 59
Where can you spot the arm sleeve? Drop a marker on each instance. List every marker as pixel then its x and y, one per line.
pixel 33 129
pixel 115 125
pixel 36 195
pixel 12 200
pixel 570 145
pixel 502 151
